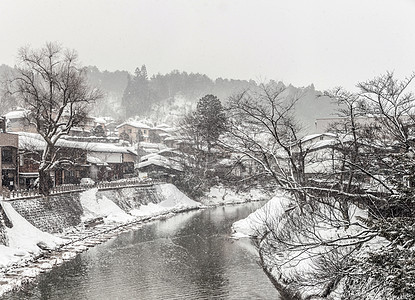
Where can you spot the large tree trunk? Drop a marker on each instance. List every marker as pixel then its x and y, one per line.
pixel 45 182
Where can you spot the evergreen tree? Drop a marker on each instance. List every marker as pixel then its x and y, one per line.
pixel 144 72
pixel 136 99
pixel 125 137
pixel 210 119
pixel 98 131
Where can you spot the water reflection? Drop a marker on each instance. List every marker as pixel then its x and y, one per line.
pixel 189 256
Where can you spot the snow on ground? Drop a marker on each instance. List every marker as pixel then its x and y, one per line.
pixel 223 195
pixel 256 221
pixel 175 197
pixel 150 209
pixel 105 208
pixel 175 200
pixel 23 238
pixel 11 255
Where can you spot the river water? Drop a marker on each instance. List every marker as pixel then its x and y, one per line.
pixel 188 256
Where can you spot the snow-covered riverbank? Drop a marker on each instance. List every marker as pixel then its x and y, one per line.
pixel 221 195
pixel 30 251
pixel 292 264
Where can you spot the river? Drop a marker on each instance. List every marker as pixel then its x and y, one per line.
pixel 188 256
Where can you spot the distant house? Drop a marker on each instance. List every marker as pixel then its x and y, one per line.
pixel 162 129
pixel 16 121
pixel 134 130
pixel 318 152
pixel 100 161
pixel 321 152
pixel 173 141
pixel 159 166
pixel 110 162
pixel 312 141
pixel 87 127
pixel 145 147
pixel 111 127
pixel 162 164
pixel 99 122
pixel 72 168
pixel 164 132
pixel 237 164
pixel 79 132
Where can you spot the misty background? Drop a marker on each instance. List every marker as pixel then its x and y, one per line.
pixel 192 48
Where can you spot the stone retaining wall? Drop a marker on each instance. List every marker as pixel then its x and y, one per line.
pixel 56 213
pixel 51 214
pixel 132 198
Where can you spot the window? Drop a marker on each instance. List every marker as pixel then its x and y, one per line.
pixel 6 156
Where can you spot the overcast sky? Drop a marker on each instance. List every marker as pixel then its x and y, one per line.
pixel 326 42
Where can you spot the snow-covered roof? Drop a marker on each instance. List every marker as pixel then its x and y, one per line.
pixel 100 120
pixel 31 141
pixel 79 129
pixel 160 155
pixel 16 114
pixel 35 141
pixel 323 144
pixel 162 126
pixel 169 150
pixel 160 161
pixel 153 156
pixel 136 124
pixel 316 135
pixel 131 149
pixel 164 134
pixel 95 160
pixel 152 146
pixel 165 128
pixel 336 140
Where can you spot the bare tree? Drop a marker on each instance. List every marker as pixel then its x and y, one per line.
pixel 372 156
pixel 263 128
pixel 380 120
pixel 52 85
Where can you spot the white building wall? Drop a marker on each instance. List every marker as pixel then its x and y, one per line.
pixel 108 157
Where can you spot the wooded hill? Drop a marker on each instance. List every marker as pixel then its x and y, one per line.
pixel 167 97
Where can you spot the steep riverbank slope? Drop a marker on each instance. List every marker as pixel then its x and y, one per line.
pixel 294 259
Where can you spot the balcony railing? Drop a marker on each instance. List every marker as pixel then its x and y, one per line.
pixel 69 188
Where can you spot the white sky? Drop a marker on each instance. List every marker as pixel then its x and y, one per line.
pixel 326 42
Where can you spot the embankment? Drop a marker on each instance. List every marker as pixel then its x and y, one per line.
pixel 60 213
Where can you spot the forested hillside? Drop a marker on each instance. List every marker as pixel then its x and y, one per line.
pixel 167 97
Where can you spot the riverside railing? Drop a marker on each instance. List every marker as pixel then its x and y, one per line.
pixel 69 188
